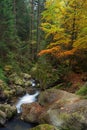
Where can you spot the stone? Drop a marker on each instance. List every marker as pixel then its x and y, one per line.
pixel 27 84
pixel 16 79
pixel 5 91
pixel 51 95
pixel 44 127
pixel 31 112
pixel 26 76
pixel 9 110
pixel 19 90
pixel 3 85
pixel 2 118
pixel 65 109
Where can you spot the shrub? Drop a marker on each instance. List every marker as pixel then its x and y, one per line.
pixel 2 75
pixel 83 90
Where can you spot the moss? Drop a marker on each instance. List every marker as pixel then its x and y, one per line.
pixel 59 86
pixel 8 93
pixel 72 121
pixel 83 90
pixel 44 127
pixel 8 110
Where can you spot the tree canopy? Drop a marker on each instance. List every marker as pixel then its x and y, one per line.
pixel 65 22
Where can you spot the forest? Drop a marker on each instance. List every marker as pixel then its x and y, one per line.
pixel 43 53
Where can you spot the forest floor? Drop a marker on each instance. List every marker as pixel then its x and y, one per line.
pixel 75 80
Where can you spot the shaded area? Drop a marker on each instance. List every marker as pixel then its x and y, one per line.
pixel 17 124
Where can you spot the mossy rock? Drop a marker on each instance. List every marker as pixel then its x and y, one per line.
pixel 16 79
pixel 9 110
pixel 19 90
pixel 28 83
pixel 74 121
pixel 8 69
pixel 25 76
pixel 44 127
pixel 8 93
pixel 3 85
pixel 2 118
pixel 51 95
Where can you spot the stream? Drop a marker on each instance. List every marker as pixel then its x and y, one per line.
pixel 16 123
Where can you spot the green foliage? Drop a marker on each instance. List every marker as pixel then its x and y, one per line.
pixel 46 74
pixel 2 75
pixel 59 86
pixel 7 20
pixel 22 25
pixel 83 90
pixel 44 127
pixel 40 72
pixel 65 25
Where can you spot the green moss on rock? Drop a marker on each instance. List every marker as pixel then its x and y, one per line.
pixel 44 127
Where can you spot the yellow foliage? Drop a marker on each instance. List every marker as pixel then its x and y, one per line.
pixel 66 21
pixel 8 67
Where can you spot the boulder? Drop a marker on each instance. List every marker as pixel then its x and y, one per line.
pixel 2 118
pixel 26 76
pixel 9 110
pixel 8 93
pixel 31 112
pixel 31 90
pixel 63 110
pixel 3 85
pixel 5 91
pixel 51 95
pixel 63 115
pixel 28 83
pixel 44 127
pixel 16 79
pixel 19 90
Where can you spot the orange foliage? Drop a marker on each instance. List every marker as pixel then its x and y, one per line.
pixel 66 22
pixel 66 53
pixel 57 52
pixel 49 51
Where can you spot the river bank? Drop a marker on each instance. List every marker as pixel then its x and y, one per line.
pixel 52 107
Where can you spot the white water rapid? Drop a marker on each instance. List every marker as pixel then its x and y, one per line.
pixel 27 98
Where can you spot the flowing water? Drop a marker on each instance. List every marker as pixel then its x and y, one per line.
pixel 16 123
pixel 27 98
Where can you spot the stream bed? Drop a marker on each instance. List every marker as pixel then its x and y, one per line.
pixel 17 123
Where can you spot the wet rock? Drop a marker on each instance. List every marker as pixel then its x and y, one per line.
pixel 9 110
pixel 20 90
pixel 31 90
pixel 28 83
pixel 31 112
pixel 2 118
pixel 44 127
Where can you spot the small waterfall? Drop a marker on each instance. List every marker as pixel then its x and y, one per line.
pixel 16 123
pixel 27 98
pixel 33 82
